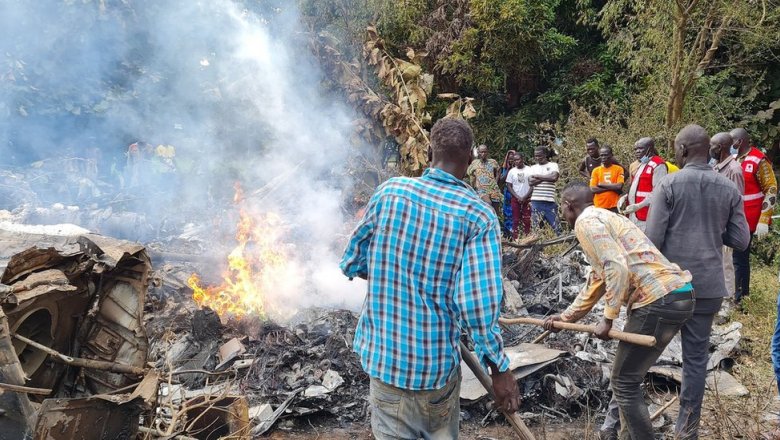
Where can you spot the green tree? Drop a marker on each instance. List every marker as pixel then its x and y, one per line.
pixel 673 44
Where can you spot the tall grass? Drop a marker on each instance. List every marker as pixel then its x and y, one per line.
pixel 747 417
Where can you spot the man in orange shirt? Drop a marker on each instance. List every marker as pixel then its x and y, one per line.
pixel 606 181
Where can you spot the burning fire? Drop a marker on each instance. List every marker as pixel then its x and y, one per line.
pixel 255 267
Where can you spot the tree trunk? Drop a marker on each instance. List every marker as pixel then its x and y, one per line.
pixel 676 97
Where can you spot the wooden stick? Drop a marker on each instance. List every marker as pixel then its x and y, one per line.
pixel 85 363
pixel 535 243
pixel 22 389
pixel 541 337
pixel 514 419
pixel 633 338
pixel 663 408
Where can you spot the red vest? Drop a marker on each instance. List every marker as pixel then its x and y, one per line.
pixel 645 185
pixel 753 197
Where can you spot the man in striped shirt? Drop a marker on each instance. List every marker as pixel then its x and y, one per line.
pixel 430 250
pixel 542 179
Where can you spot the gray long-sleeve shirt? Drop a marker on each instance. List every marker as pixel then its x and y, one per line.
pixel 694 212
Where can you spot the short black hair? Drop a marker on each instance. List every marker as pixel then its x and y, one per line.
pixel 544 150
pixel 592 140
pixel 575 184
pixel 451 136
pixel 607 147
pixel 578 188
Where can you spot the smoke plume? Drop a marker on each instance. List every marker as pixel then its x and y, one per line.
pixel 231 86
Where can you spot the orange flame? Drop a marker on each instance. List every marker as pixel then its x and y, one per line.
pixel 254 266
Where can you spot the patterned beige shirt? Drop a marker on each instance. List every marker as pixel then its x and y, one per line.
pixel 626 267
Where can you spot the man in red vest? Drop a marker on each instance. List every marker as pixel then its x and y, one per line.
pixel 759 201
pixel 652 168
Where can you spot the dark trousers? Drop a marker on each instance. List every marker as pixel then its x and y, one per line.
pixel 662 319
pixel 695 335
pixel 742 272
pixel 521 213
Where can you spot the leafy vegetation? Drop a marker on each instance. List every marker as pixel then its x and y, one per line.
pixel 615 69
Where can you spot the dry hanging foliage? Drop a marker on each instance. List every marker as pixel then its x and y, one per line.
pixel 347 76
pixel 406 118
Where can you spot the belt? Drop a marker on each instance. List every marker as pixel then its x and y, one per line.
pixel 682 296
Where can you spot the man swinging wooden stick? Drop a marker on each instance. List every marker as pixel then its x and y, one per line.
pixel 627 269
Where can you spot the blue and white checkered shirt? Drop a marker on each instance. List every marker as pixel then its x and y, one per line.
pixel 430 249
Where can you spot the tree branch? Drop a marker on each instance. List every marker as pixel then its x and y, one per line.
pixel 691 7
pixel 707 57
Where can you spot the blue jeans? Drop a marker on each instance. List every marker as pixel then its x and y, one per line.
pixel 397 413
pixel 547 211
pixel 508 212
pixel 776 345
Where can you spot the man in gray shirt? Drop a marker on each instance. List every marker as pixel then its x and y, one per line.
pixel 694 212
pixel 727 166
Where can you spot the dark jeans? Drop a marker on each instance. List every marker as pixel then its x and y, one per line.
pixel 547 211
pixel 695 335
pixel 742 272
pixel 662 319
pixel 521 214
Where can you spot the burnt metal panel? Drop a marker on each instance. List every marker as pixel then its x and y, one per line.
pixel 117 333
pixel 87 419
pixel 92 289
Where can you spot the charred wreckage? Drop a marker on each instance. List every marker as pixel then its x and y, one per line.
pixel 95 344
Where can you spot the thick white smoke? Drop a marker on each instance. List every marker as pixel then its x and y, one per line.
pixel 232 86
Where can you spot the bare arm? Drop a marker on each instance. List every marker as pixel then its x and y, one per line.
pixel 509 186
pixel 616 187
pixel 552 177
pixel 594 183
pixel 584 169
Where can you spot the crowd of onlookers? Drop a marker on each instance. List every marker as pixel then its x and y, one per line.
pixel 695 210
pixel 524 195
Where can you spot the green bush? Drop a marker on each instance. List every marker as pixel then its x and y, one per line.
pixel 767 249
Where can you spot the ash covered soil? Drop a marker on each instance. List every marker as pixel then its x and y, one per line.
pixel 305 374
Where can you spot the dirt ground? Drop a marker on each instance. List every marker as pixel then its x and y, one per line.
pixel 734 418
pixel 469 431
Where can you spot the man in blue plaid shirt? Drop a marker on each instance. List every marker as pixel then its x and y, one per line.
pixel 430 250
